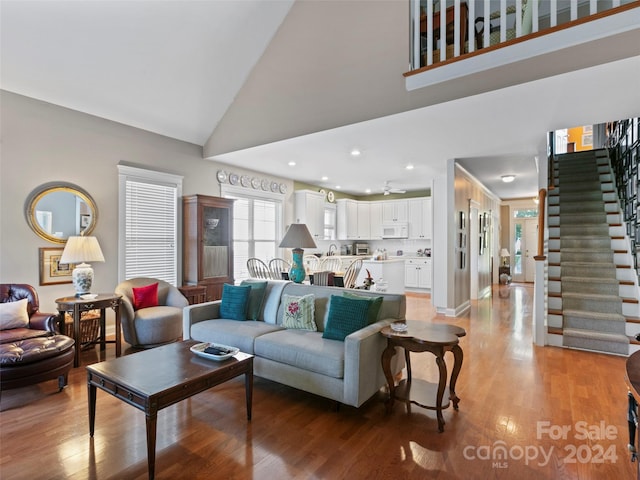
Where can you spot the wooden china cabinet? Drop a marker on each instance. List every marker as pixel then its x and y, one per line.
pixel 208 243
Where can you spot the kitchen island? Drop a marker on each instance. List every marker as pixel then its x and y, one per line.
pixel 390 271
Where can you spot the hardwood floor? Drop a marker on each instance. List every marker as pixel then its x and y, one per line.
pixel 513 395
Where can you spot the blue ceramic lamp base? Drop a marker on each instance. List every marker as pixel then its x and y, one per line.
pixel 297 272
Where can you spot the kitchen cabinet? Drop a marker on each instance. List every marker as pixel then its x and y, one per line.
pixel 353 220
pixel 395 211
pixel 363 221
pixel 207 228
pixel 420 218
pixel 375 220
pixel 309 209
pixel 417 273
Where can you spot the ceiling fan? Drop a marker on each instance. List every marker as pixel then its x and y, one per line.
pixel 387 189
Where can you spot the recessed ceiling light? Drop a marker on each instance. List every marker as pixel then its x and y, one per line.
pixel 508 178
pixel 292 164
pixel 368 190
pixel 355 152
pixel 338 187
pixel 325 178
pixel 409 167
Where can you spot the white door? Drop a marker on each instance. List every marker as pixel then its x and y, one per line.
pixel 525 245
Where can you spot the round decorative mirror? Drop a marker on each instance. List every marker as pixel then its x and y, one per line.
pixel 57 210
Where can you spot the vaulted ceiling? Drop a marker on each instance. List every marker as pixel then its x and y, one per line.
pixel 260 83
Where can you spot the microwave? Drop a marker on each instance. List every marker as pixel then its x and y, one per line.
pixel 395 230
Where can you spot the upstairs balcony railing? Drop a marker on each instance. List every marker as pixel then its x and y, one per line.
pixel 482 25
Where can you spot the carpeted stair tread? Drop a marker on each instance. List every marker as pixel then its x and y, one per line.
pixel 597 341
pixel 607 286
pixel 586 206
pixel 610 317
pixel 584 241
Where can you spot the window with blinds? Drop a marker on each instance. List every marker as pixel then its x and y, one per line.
pixel 149 224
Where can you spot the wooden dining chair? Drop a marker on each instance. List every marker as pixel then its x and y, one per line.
pixel 311 263
pixel 331 264
pixel 278 266
pixel 258 269
pixel 351 274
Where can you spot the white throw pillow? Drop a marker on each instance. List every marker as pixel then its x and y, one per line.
pixel 14 314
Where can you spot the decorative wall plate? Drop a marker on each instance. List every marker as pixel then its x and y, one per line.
pixel 283 188
pixel 222 176
pixel 245 181
pixel 255 182
pixel 323 192
pixel 264 184
pixel 330 196
pixel 233 179
pixel 274 187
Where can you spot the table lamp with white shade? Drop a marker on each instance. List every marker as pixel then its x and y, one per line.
pixel 506 257
pixel 297 238
pixel 80 250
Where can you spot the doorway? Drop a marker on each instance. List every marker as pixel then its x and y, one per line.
pixel 525 245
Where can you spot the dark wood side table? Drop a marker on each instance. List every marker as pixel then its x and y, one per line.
pixel 194 293
pixel 632 378
pixel 154 379
pixel 77 306
pixel 424 337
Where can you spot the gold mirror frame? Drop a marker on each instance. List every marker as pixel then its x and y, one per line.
pixel 42 191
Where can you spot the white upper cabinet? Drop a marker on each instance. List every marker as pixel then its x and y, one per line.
pixel 395 211
pixel 309 207
pixel 420 218
pixel 347 219
pixel 375 220
pixel 364 222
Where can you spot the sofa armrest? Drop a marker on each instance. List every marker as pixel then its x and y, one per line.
pixel 363 375
pixel 44 321
pixel 198 313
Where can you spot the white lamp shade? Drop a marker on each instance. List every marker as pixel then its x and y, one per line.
pixel 504 253
pixel 82 249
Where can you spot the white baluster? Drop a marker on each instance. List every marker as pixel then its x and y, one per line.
pixel 487 26
pixel 429 32
pixel 417 42
pixel 456 29
pixel 471 26
pixel 593 7
pixel 554 12
pixel 443 30
pixel 518 18
pixel 574 9
pixel 535 24
pixel 503 21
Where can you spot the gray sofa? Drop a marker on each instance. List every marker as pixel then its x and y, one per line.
pixel 348 372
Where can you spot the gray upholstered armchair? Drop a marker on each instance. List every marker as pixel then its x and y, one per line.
pixel 155 325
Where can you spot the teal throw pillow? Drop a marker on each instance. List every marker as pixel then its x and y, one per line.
pixel 235 299
pixel 346 315
pixel 256 297
pixel 299 312
pixel 374 307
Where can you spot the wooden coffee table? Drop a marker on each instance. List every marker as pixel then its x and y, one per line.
pixel 157 378
pixel 424 337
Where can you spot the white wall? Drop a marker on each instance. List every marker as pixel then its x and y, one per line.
pixel 41 142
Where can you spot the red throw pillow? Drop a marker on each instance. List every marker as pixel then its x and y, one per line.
pixel 146 296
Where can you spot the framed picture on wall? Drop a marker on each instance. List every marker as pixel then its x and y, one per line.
pixel 52 272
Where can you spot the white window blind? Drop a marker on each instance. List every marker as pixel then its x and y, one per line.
pixel 149 242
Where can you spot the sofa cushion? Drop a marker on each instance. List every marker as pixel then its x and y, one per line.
pixel 374 307
pixel 346 315
pixel 231 332
pixel 256 297
pixel 14 314
pixel 303 349
pixel 235 299
pixel 145 297
pixel 299 312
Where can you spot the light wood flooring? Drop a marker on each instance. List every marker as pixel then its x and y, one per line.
pixel 513 395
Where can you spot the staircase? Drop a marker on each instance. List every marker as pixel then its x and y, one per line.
pixel 586 245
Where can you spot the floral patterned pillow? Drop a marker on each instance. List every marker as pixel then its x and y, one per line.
pixel 299 312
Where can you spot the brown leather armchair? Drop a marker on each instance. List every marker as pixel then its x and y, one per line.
pixel 34 353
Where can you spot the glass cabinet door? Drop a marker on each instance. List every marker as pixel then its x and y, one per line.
pixel 215 242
